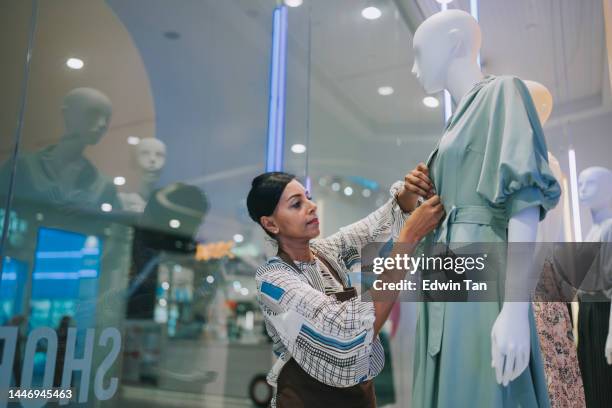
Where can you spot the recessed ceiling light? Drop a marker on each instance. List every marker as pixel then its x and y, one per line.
pixel 294 3
pixel 163 302
pixel 385 90
pixel 74 63
pixel 165 285
pixel 366 192
pixel 210 279
pixel 444 1
pixel 238 238
pixel 348 191
pixel 133 140
pixel 371 13
pixel 335 186
pixel 119 180
pixel 174 223
pixel 106 207
pixel 244 291
pixel 298 148
pixel 431 102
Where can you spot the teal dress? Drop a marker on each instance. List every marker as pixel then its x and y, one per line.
pixel 491 163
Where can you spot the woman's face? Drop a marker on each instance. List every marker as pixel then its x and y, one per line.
pixel 295 216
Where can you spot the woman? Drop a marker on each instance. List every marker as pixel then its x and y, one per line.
pixel 325 338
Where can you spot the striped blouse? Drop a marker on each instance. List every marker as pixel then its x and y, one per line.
pixel 332 341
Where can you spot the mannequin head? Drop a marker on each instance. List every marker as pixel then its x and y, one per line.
pixel 151 154
pixel 87 113
pixel 542 99
pixel 439 41
pixel 595 187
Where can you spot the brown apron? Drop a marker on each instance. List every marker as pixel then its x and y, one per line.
pixel 297 389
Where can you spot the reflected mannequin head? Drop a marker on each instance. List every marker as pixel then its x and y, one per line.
pixel 542 99
pixel 87 113
pixel 595 187
pixel 151 154
pixel 439 40
pixel 283 208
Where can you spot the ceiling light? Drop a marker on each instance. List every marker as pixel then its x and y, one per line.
pixel 366 192
pixel 133 140
pixel 371 13
pixel 293 3
pixel 163 302
pixel 244 291
pixel 431 102
pixel 165 285
pixel 238 238
pixel 119 181
pixel 385 90
pixel 174 223
pixel 444 1
pixel 298 148
pixel 348 191
pixel 74 63
pixel 210 279
pixel 106 207
pixel 335 186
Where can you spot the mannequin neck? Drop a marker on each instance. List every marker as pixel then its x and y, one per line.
pixel 601 214
pixel 148 180
pixel 462 75
pixel 70 149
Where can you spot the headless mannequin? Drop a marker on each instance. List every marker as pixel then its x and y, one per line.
pixel 150 157
pixel 446 46
pixel 595 191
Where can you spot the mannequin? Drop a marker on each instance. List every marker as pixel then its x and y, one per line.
pixel 446 46
pixel 60 174
pixel 595 192
pixel 150 158
pixel 553 321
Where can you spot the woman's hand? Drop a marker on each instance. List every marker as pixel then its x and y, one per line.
pixel 422 221
pixel 416 184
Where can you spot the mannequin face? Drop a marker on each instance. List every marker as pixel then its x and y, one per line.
pixel 595 187
pixel 439 40
pixel 87 113
pixel 151 154
pixel 431 56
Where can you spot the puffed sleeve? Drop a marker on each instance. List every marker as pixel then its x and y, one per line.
pixel 331 340
pixel 515 174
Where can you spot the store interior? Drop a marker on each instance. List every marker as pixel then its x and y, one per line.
pixel 131 130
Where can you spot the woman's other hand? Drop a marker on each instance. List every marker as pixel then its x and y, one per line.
pixel 416 184
pixel 422 221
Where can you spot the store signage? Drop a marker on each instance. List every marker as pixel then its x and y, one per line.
pixel 109 342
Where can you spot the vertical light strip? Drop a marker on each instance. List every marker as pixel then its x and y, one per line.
pixel 474 13
pixel 574 188
pixel 448 107
pixel 567 217
pixel 276 113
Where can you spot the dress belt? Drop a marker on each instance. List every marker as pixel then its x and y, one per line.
pixel 471 214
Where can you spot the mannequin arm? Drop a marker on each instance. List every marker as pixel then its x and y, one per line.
pixel 609 341
pixel 510 335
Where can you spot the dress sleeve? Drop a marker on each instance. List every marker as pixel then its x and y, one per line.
pixel 330 340
pixel 381 225
pixel 515 174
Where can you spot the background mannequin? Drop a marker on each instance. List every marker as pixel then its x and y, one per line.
pixel 595 318
pixel 446 46
pixel 150 157
pixel 553 320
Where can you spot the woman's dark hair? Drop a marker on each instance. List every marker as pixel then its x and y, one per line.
pixel 266 191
